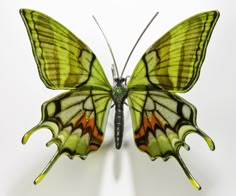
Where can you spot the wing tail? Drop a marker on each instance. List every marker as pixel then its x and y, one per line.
pixel 187 172
pixel 47 168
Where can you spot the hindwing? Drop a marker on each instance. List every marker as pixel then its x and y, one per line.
pixel 77 120
pixel 161 121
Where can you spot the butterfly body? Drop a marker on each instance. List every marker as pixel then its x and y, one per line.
pixel 119 95
pixel 161 119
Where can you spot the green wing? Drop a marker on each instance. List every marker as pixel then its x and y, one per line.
pixel 161 121
pixel 64 61
pixel 77 120
pixel 174 61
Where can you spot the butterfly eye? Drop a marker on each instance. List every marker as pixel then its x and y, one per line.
pixel 122 80
pixel 116 80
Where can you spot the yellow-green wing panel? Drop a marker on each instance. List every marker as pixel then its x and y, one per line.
pixel 161 121
pixel 64 61
pixel 77 120
pixel 136 100
pixel 174 61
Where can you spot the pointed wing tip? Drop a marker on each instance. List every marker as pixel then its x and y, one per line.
pixel 195 184
pixel 208 140
pixel 26 137
pixel 217 12
pixel 24 140
pixel 22 11
pixel 39 179
pixel 47 168
pixel 211 145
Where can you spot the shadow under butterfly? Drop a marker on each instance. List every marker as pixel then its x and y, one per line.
pixel 160 118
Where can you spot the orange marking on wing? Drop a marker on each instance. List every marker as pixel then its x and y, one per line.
pixel 156 121
pixel 82 121
pixel 92 148
pixel 145 125
pixel 97 135
pixel 94 132
pixel 88 125
pixel 148 124
pixel 91 123
pixel 143 147
pixel 141 132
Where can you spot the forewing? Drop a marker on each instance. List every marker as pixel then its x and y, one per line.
pixel 174 61
pixel 161 121
pixel 77 120
pixel 64 61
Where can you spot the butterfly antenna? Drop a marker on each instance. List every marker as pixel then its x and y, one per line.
pixel 136 43
pixel 109 46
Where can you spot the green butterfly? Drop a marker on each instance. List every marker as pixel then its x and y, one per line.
pixel 77 118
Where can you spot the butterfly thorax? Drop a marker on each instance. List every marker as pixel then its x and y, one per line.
pixel 119 94
pixel 119 91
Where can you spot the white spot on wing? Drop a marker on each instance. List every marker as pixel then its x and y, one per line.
pixel 51 108
pixel 88 105
pixel 186 111
pixel 149 104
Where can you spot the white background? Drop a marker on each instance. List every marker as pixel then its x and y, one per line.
pixel 108 171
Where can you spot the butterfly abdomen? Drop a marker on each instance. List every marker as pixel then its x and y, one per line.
pixel 119 94
pixel 119 125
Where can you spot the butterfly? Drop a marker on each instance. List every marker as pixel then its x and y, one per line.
pixel 77 118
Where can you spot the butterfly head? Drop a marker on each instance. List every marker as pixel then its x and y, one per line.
pixel 120 82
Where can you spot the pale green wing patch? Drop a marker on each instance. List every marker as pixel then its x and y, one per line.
pixel 64 61
pixel 161 121
pixel 174 61
pixel 77 120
